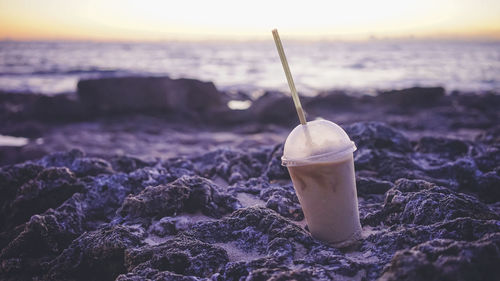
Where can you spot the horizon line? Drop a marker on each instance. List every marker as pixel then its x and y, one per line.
pixel 259 39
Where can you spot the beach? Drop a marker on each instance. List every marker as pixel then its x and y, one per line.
pixel 191 141
pixel 138 177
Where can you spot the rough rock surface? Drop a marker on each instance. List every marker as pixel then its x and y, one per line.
pixel 186 194
pixel 429 206
pixel 149 93
pixel 444 259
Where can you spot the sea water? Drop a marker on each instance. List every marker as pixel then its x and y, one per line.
pixel 56 67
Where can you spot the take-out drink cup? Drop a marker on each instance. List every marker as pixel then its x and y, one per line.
pixel 319 158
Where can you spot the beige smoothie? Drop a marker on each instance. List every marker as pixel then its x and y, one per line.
pixel 319 157
pixel 327 194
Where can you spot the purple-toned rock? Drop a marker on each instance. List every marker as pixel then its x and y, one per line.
pixel 274 107
pixel 13 177
pixel 336 101
pixel 147 273
pixel 183 255
pixel 444 259
pixel 49 189
pixel 187 194
pixel 413 97
pixel 274 170
pixel 232 165
pixel 28 106
pixel 385 242
pixel 442 146
pixel 126 164
pixel 96 255
pixel 76 161
pixel 284 201
pixel 17 154
pixel 368 186
pixel 42 238
pixel 255 229
pixel 128 94
pixel 428 203
pixel 420 202
pixel 64 107
pixel 377 135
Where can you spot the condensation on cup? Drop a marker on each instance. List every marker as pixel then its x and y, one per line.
pixel 319 157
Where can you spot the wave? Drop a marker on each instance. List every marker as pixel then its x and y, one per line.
pixel 69 72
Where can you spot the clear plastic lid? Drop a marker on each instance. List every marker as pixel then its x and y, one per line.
pixel 317 142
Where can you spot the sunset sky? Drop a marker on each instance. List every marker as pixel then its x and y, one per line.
pixel 159 20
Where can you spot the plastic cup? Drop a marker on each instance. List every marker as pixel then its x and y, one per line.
pixel 319 158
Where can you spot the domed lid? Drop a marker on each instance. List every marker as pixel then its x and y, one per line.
pixel 317 142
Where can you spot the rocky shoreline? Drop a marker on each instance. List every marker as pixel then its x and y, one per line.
pixel 198 193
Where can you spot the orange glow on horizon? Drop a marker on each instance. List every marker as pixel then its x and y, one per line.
pixel 155 20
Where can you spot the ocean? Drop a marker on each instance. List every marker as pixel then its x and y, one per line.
pixel 56 67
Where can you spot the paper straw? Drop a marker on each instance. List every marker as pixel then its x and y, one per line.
pixel 289 78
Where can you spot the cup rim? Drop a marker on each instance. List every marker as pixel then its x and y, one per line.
pixel 333 156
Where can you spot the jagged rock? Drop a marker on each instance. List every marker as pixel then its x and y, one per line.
pixel 49 189
pixel 127 94
pixel 281 274
pixel 488 187
pixel 76 161
pixel 149 274
pixel 461 173
pixel 91 166
pixel 244 225
pixel 11 179
pixel 419 202
pixel 161 200
pixel 386 242
pixel 366 186
pixel 59 107
pixel 258 269
pixel 171 225
pixel 274 170
pixel 283 200
pixel 29 106
pixel 16 154
pixel 178 167
pixel 442 146
pixel 181 255
pixel 187 194
pixel 273 107
pixel 386 165
pixel 491 136
pixel 61 159
pixel 126 164
pixel 377 135
pixel 444 259
pixel 42 238
pixel 255 229
pixel 187 218
pixel 413 97
pixel 231 165
pixel 339 101
pixel 96 255
pixel 488 102
pixel 252 186
pixel 489 160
